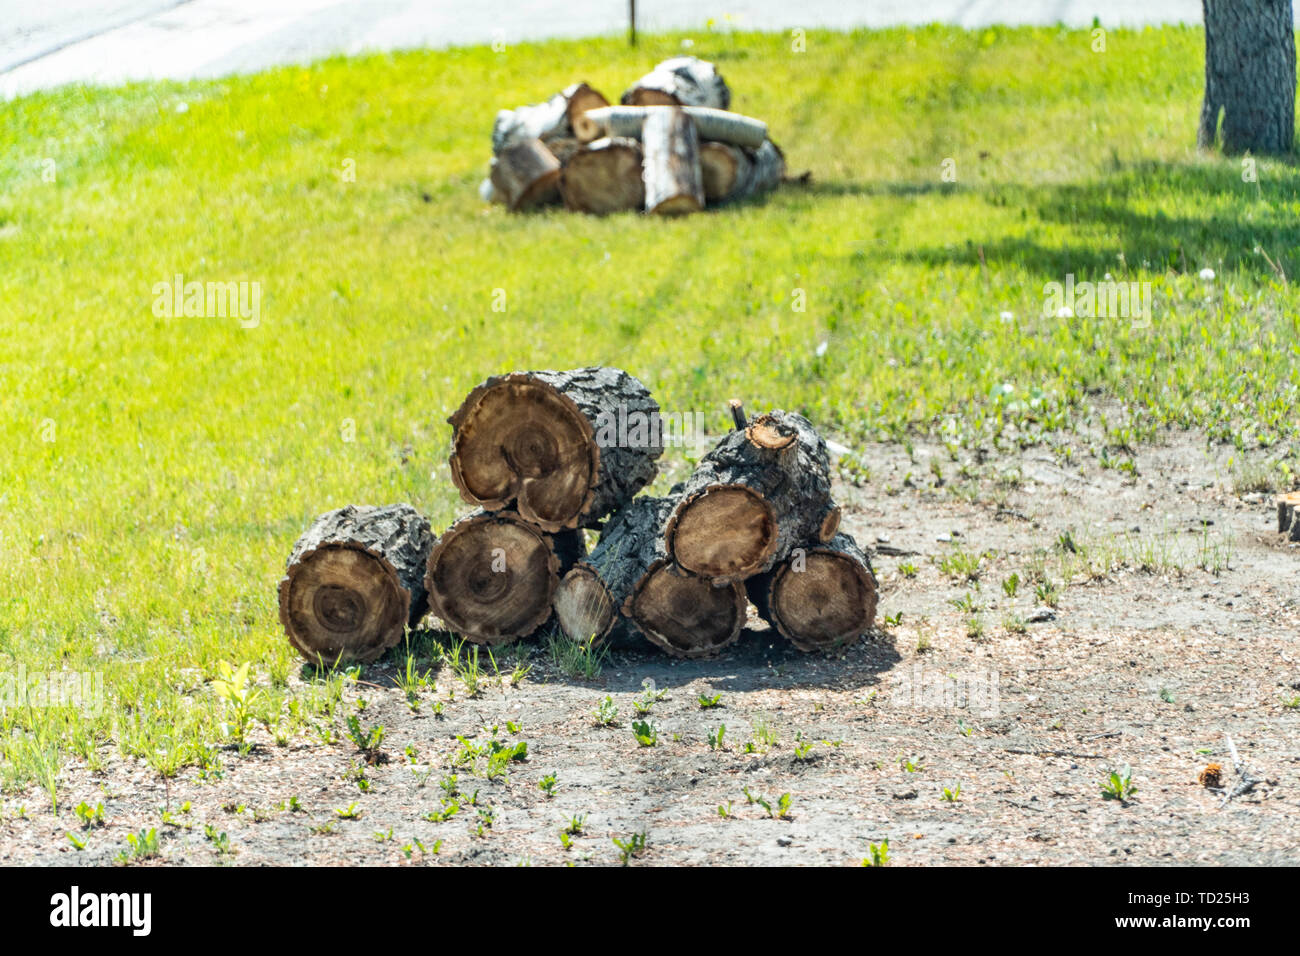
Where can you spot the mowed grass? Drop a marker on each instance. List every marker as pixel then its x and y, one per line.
pixel 156 470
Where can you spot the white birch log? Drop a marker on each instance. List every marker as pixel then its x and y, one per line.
pixel 719 125
pixel 680 81
pixel 673 180
pixel 526 175
pixel 560 116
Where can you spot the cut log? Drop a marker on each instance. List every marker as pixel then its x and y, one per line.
pixel 723 167
pixel 1288 515
pixel 582 99
pixel 566 448
pixel 491 575
pixel 755 496
pixel 680 81
pixel 627 586
pixel 819 598
pixel 718 125
pixel 526 175
pixel 673 182
pixel 684 613
pixel 589 601
pixel 604 177
pixel 558 117
pixel 354 582
pixel 731 172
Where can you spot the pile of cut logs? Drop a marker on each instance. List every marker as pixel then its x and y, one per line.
pixel 670 147
pixel 544 455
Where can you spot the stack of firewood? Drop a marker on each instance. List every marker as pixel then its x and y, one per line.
pixel 545 455
pixel 670 147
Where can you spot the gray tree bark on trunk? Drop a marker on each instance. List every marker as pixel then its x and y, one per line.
pixel 1249 76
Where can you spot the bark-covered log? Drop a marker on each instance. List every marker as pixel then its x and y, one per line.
pixel 604 177
pixel 354 581
pixel 680 81
pixel 566 448
pixel 526 174
pixel 590 598
pixel 683 613
pixel 755 496
pixel 1288 515
pixel 560 116
pixel 732 172
pixel 821 597
pixel 723 167
pixel 671 171
pixel 627 587
pixel 718 125
pixel 491 575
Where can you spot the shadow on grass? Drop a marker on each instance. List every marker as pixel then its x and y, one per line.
pixel 1159 216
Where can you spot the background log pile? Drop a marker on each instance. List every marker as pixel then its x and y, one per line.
pixel 671 146
pixel 543 455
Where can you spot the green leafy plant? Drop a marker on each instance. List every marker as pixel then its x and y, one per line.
pixel 645 732
pixel 233 687
pixel 631 846
pixel 1119 785
pixel 879 854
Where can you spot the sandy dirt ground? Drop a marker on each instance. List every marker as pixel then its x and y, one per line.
pixel 1179 631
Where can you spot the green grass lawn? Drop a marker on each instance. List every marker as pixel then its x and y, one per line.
pixel 157 470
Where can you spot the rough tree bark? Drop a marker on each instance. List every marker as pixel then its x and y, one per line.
pixel 589 601
pixel 671 170
pixel 604 177
pixel 680 81
pixel 491 575
pixel 566 448
pixel 354 581
pixel 819 598
pixel 1250 75
pixel 760 492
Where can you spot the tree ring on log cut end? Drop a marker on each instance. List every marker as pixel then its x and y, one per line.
pixel 521 440
pixel 343 603
pixel 725 531
pixel 683 613
pixel 830 525
pixel 766 431
pixel 830 602
pixel 491 578
pixel 1286 509
pixel 583 606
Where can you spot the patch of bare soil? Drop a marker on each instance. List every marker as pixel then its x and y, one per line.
pixel 1179 629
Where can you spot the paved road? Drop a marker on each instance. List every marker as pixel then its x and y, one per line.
pixel 46 43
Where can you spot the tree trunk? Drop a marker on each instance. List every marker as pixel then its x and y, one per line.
pixel 731 172
pixel 1250 75
pixel 819 598
pixel 491 575
pixel 673 183
pixel 354 582
pixel 604 177
pixel 526 174
pixel 680 81
pixel 566 448
pixel 718 125
pixel 754 497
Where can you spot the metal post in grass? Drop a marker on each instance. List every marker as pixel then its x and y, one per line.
pixel 631 22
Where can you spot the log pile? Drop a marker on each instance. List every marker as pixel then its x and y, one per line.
pixel 671 146
pixel 543 455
